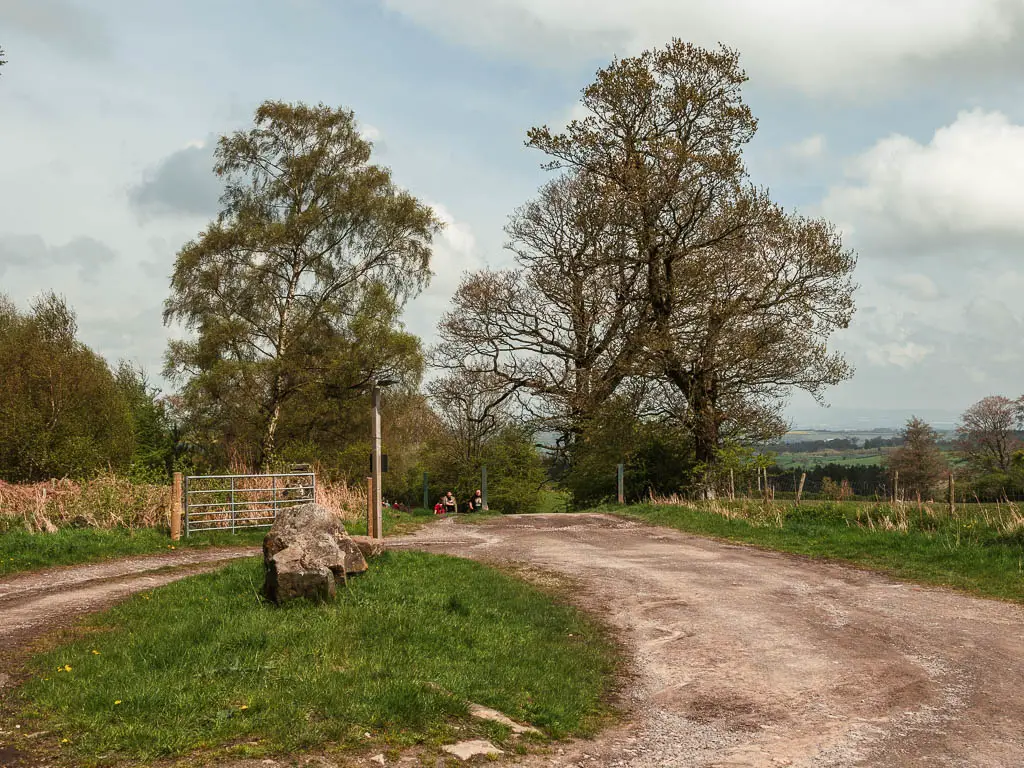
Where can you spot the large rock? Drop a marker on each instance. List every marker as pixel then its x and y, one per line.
pixel 306 553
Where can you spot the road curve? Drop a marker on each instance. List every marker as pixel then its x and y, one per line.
pixel 759 659
pixel 37 602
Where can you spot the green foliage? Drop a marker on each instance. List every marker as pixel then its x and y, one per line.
pixel 62 413
pixel 152 428
pixel 919 461
pixel 294 293
pixel 658 456
pixel 515 471
pixel 205 663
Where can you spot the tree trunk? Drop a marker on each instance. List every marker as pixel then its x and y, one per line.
pixel 704 425
pixel 267 444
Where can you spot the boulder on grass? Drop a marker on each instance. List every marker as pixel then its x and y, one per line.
pixel 306 553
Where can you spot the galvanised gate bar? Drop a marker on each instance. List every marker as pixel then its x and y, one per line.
pixel 236 502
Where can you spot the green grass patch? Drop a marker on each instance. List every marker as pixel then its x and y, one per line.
pixel 395 523
pixel 553 500
pixel 205 664
pixel 24 551
pixel 978 550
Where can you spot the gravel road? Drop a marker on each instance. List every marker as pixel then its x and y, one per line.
pixel 759 659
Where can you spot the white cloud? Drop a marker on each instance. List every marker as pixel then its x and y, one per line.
pixel 61 24
pixel 962 186
pixel 818 47
pixel 916 286
pixel 454 253
pixel 810 148
pixel 369 132
pixel 903 354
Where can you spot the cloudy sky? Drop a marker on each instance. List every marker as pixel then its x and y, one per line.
pixel 900 120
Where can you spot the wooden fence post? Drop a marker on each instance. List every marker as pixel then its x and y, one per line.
pixel 371 518
pixel 732 486
pixel 176 505
pixel 800 490
pixel 895 486
pixel 952 494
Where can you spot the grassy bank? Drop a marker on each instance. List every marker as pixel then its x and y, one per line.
pixel 204 664
pixel 24 551
pixel 979 549
pixel 21 550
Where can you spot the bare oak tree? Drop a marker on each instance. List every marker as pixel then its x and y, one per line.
pixel 558 330
pixel 473 406
pixel 738 298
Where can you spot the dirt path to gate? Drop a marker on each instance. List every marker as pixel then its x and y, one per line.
pixel 33 604
pixel 740 657
pixel 751 658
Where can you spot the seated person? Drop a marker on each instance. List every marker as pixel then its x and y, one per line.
pixel 451 506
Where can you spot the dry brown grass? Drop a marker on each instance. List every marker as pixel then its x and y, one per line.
pixel 113 502
pixel 105 502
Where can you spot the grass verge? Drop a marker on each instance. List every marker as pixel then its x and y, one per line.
pixel 21 550
pixel 977 551
pixel 24 551
pixel 205 664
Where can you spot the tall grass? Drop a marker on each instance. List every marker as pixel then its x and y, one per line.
pixel 105 502
pixel 110 501
pixel 1001 519
pixel 976 547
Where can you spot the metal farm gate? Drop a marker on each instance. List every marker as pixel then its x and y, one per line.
pixel 236 502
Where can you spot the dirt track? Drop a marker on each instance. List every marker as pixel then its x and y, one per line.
pixel 742 657
pixel 33 604
pixel 749 658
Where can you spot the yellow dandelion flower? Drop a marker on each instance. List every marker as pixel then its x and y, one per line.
pixel 64 741
pixel 116 702
pixel 244 706
pixel 95 652
pixel 67 667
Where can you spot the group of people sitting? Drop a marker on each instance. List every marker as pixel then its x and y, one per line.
pixel 449 505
